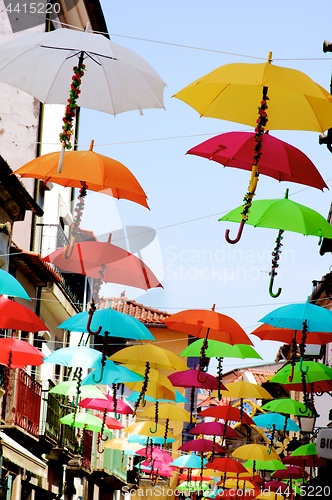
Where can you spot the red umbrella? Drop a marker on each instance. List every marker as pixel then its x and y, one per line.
pixel 277 486
pixel 111 422
pixel 304 461
pixel 289 336
pixel 19 353
pixel 226 464
pixel 106 262
pixel 292 472
pixel 108 404
pixel 15 316
pixel 191 379
pixel 227 412
pixel 279 160
pixel 202 446
pixel 215 429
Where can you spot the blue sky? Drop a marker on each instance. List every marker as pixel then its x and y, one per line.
pixel 183 41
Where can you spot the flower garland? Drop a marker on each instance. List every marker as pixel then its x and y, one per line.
pixel 79 210
pixel 70 112
pixel 276 254
pixel 259 131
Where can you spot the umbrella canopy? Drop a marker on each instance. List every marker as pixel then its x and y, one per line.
pixel 190 378
pixel 288 406
pixel 131 398
pixel 144 429
pixel 19 353
pixel 158 387
pixel 305 450
pixel 305 461
pixel 233 92
pixel 15 316
pixel 201 445
pixel 105 261
pixel 316 318
pixel 193 486
pixel 265 465
pixel 83 421
pixel 227 412
pixel 287 335
pixel 190 461
pixel 167 411
pixel 283 214
pixel 157 357
pixel 214 429
pixel 243 390
pixel 291 471
pixel 202 323
pixel 106 404
pixel 111 374
pixel 318 377
pixel 10 286
pixel 75 357
pixel 279 160
pixel 69 388
pixel 276 421
pixel 155 453
pixel 116 79
pixel 218 349
pixel 122 444
pixel 100 173
pixel 152 440
pixel 227 464
pixel 116 323
pixel 277 486
pixel 254 452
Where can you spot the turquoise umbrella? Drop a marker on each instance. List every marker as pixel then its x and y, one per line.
pixel 115 323
pixel 111 373
pixel 191 461
pixel 149 399
pixel 136 438
pixel 275 421
pixel 75 357
pixel 10 286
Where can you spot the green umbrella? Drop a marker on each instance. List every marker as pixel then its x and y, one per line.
pixel 288 406
pixel 285 215
pixel 304 450
pixel 193 486
pixel 218 349
pixel 84 421
pixel 269 465
pixel 318 376
pixel 69 388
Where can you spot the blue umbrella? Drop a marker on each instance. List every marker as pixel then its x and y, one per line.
pixel 117 324
pixel 149 399
pixel 10 286
pixel 191 461
pixel 111 373
pixel 277 421
pixel 75 357
pixel 137 438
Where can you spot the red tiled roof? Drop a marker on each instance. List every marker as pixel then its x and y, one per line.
pixel 145 314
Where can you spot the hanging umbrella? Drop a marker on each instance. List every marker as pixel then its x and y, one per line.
pixel 15 316
pixel 75 357
pixel 287 406
pixel 153 440
pixel 265 465
pixel 201 445
pixel 277 487
pixel 166 411
pixel 305 461
pixel 10 286
pixel 108 403
pixel 217 349
pixel 155 453
pixel 19 353
pixel 69 388
pixel 291 472
pixel 83 421
pixel 305 450
pixel 242 389
pixel 110 422
pixel 131 398
pixel 116 79
pixel 254 452
pixel 111 374
pixel 143 428
pixel 285 215
pixel 227 464
pixel 105 261
pixel 122 444
pixel 277 421
pixel 192 486
pixel 318 377
pixel 116 323
pixel 234 91
pixel 279 160
pixel 290 336
pixel 270 495
pixel 214 429
pixel 190 461
pixel 227 412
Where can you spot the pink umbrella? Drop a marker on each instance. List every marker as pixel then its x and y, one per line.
pixel 215 429
pixel 292 472
pixel 193 379
pixel 111 422
pixel 155 453
pixel 202 445
pixel 110 404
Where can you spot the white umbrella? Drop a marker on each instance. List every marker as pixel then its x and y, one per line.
pixel 116 79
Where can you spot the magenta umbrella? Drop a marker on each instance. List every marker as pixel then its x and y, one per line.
pixel 304 461
pixel 154 453
pixel 278 160
pixel 277 486
pixel 215 429
pixel 202 445
pixel 194 379
pixel 292 472
pixel 109 404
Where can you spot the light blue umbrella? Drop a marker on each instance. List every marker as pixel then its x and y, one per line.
pixel 191 461
pixel 75 357
pixel 11 287
pixel 149 399
pixel 276 421
pixel 117 324
pixel 111 373
pixel 136 438
pixel 296 316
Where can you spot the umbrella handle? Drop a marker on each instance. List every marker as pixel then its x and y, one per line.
pixel 272 294
pixel 198 376
pixel 291 376
pixel 239 234
pixel 97 332
pixel 153 431
pixel 303 370
pixel 68 250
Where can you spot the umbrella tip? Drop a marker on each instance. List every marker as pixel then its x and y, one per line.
pixel 91 145
pixel 269 57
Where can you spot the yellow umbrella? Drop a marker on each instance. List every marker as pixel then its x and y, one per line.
pixel 255 451
pixel 167 411
pixel 160 387
pixel 150 356
pixel 287 99
pixel 144 429
pixel 242 389
pixel 239 484
pixel 270 495
pixel 122 444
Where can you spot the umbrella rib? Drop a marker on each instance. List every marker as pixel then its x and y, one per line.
pixel 89 54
